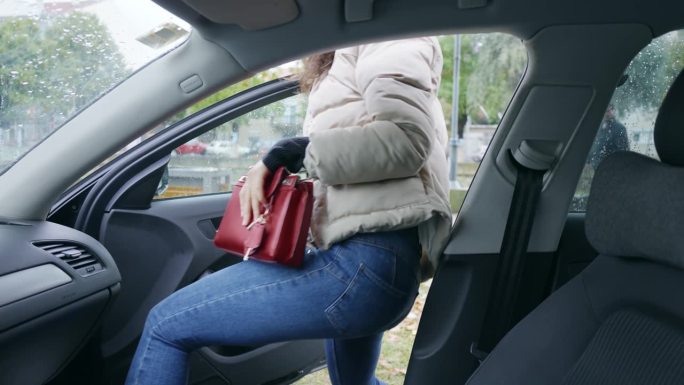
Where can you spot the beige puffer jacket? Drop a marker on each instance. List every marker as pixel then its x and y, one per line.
pixel 378 144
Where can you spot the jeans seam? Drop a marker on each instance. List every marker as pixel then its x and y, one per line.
pixel 336 277
pixel 394 270
pixel 331 317
pixel 223 297
pixel 382 285
pixel 394 255
pixel 373 244
pixel 141 366
pixel 331 271
pixel 335 372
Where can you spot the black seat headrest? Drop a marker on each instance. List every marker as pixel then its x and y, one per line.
pixel 635 209
pixel 669 126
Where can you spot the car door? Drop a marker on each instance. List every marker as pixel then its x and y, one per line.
pixel 156 210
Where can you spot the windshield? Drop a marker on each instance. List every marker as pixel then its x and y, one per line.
pixel 57 56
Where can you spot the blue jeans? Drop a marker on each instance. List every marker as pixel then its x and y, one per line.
pixel 348 294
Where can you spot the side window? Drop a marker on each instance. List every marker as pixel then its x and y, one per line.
pixel 212 162
pixel 629 120
pixel 479 76
pixel 488 68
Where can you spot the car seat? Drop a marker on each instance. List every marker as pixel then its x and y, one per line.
pixel 620 321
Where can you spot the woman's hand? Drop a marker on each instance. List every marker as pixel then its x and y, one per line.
pixel 252 194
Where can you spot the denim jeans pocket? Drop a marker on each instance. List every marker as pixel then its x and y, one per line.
pixel 368 305
pixel 380 260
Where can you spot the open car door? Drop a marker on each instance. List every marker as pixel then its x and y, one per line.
pixel 156 209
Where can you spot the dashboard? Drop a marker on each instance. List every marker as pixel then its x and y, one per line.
pixel 55 284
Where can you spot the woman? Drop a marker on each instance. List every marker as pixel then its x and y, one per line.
pixel 377 152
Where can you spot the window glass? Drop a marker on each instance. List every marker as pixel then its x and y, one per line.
pixel 57 57
pixel 262 77
pixel 629 120
pixel 489 69
pixel 214 161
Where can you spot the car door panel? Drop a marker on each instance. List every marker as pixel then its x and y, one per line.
pixel 173 248
pixel 163 245
pixel 157 250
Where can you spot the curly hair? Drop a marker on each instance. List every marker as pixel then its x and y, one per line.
pixel 315 67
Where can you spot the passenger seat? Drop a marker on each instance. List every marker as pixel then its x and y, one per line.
pixel 621 321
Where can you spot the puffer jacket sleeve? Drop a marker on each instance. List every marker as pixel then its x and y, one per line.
pixel 397 81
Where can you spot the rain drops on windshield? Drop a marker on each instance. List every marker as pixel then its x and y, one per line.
pixel 56 58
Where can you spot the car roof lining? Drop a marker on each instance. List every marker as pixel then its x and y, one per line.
pixel 397 18
pixel 249 15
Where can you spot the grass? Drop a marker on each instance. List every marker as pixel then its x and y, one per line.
pixel 396 348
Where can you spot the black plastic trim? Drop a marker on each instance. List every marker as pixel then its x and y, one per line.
pixel 454 311
pixel 574 252
pixel 20 253
pixel 156 148
pixel 92 179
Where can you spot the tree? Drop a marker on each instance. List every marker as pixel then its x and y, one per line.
pixel 446 88
pixel 491 67
pixel 292 108
pixel 52 67
pixel 227 92
pixel 499 63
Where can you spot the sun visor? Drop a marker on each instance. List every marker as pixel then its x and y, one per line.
pixel 250 15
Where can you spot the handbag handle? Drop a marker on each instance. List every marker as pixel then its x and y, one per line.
pixel 275 181
pixel 269 191
pixel 256 228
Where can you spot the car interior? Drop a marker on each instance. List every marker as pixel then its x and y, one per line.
pixel 526 291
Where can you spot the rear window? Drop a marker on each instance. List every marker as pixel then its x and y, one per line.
pixel 629 120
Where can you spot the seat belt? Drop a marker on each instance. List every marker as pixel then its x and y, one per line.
pixel 531 161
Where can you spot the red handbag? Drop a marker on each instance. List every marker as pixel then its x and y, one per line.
pixel 280 233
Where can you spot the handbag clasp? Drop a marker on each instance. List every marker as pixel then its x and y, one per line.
pixel 260 219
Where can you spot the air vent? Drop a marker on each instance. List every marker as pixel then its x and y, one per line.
pixel 78 257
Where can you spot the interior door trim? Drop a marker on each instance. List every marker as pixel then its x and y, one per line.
pixel 159 146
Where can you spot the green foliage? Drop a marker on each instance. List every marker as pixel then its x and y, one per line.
pixel 52 67
pixel 491 67
pixel 225 93
pixel 466 68
pixel 224 130
pixel 500 61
